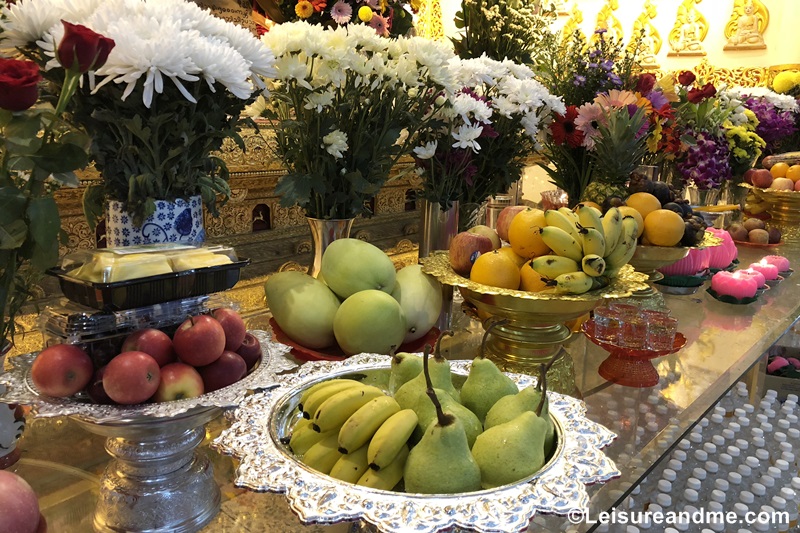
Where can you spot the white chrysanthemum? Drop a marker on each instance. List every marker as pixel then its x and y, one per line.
pixel 466 136
pixel 288 37
pixel 335 143
pixel 319 101
pixel 783 102
pixel 468 107
pixel 427 151
pixel 504 106
pixel 292 67
pixel 28 21
pixel 531 124
pixel 257 108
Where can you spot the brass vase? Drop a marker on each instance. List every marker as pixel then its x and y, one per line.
pixel 323 233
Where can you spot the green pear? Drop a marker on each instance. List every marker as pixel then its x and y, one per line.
pixel 550 436
pixel 484 386
pixel 426 415
pixel 511 451
pixel 440 376
pixel 405 367
pixel 353 265
pixel 509 407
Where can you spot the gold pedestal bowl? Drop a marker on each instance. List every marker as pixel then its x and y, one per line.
pixel 784 210
pixel 534 329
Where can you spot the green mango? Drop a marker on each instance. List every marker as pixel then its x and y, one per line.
pixel 420 296
pixel 369 321
pixel 303 307
pixel 352 265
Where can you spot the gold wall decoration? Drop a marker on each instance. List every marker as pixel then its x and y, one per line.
pixel 606 20
pixel 744 76
pixel 651 42
pixel 429 20
pixel 572 24
pixel 690 30
pixel 561 7
pixel 745 29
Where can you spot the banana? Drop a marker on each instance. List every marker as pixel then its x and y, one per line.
pixel 305 437
pixel 319 396
pixel 552 266
pixel 562 243
pixel 593 264
pixel 553 217
pixel 625 247
pixel 324 454
pixel 573 283
pixel 593 241
pixel 319 386
pixel 390 438
pixel 352 466
pixel 570 214
pixel 589 217
pixel 362 425
pixel 386 478
pixel 338 408
pixel 612 229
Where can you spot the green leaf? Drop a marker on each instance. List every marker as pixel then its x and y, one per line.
pixel 13 234
pixel 44 219
pixel 54 157
pixel 12 204
pixel 67 179
pixel 23 127
pixel 93 198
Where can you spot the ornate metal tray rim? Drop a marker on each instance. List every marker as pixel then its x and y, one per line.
pixel 317 498
pixel 775 194
pixel 628 282
pixel 20 389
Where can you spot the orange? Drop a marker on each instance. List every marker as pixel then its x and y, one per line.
pixel 644 202
pixel 509 252
pixel 779 170
pixel 663 227
pixel 793 173
pixel 530 280
pixel 627 210
pixel 496 270
pixel 524 236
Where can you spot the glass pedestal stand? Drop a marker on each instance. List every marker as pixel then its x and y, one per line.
pixel 156 482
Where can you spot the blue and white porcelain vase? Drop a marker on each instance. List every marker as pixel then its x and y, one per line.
pixel 179 221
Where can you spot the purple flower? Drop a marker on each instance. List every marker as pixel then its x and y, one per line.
pixel 706 164
pixel 489 132
pixel 579 80
pixel 607 65
pixel 616 80
pixel 600 31
pixel 593 65
pixel 341 12
pixel 773 125
pixel 657 99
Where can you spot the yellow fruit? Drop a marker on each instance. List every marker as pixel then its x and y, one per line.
pixel 509 252
pixel 523 233
pixel 779 170
pixel 496 270
pixel 793 173
pixel 590 204
pixel 530 280
pixel 644 202
pixel 627 210
pixel 663 227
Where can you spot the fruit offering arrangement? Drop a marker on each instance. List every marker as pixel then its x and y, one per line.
pixel 754 231
pixel 559 251
pixel 423 435
pixel 206 352
pixel 780 173
pixel 358 302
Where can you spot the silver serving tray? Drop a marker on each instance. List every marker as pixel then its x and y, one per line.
pixel 264 419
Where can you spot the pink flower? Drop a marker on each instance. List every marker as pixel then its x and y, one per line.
pixel 616 98
pixel 380 24
pixel 590 117
pixel 341 12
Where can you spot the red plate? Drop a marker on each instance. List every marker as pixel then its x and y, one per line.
pixel 334 353
pixel 758 245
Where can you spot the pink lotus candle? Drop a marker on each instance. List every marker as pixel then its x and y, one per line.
pixel 778 260
pixel 770 271
pixel 759 277
pixel 734 284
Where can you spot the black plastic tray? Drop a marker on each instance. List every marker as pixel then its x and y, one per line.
pixel 150 290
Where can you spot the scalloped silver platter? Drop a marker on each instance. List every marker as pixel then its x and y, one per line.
pixel 20 389
pixel 263 419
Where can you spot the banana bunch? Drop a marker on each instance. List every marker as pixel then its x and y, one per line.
pixel 587 248
pixel 353 432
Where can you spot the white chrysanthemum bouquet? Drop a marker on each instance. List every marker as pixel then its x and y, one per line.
pixel 172 90
pixel 494 121
pixel 345 106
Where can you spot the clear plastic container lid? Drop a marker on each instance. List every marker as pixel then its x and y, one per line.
pixel 109 265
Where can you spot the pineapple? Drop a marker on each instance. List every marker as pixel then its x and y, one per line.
pixel 598 191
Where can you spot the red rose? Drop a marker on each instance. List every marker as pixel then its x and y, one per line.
pixel 645 83
pixel 695 96
pixel 82 49
pixel 19 84
pixel 686 78
pixel 708 90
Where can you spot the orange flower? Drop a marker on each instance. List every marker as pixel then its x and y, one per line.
pixel 319 5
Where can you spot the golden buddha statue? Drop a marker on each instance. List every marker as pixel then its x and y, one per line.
pixel 686 37
pixel 746 26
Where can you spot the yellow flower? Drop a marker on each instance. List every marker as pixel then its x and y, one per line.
pixel 785 81
pixel 304 9
pixel 365 13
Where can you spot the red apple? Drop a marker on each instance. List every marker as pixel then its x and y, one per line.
pixel 153 342
pixel 199 341
pixel 761 177
pixel 131 377
pixel 19 507
pixel 227 369
pixel 95 388
pixel 61 370
pixel 178 381
pixel 250 350
pixel 465 249
pixel 486 231
pixel 504 220
pixel 232 324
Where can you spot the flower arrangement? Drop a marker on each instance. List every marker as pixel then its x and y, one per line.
pixel 389 18
pixel 475 148
pixel 171 91
pixel 39 150
pixel 346 105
